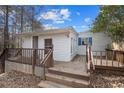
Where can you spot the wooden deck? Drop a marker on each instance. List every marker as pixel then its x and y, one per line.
pixel 67 74
pixel 76 66
pixel 109 59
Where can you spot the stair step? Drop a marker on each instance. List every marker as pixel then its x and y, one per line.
pixel 73 82
pixel 84 76
pixel 50 84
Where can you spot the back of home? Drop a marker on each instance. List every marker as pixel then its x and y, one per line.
pixel 66 42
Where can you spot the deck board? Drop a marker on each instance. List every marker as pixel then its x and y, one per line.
pixel 76 66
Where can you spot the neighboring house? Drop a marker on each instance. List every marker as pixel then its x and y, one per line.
pixel 66 42
pixel 99 41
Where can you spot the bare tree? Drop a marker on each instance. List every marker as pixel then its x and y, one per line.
pixel 16 20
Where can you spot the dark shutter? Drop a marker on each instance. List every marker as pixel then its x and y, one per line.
pixel 90 40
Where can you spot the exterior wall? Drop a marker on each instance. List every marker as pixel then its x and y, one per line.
pixel 22 68
pixel 61 49
pixel 73 45
pixel 27 42
pixel 99 42
pixel 65 46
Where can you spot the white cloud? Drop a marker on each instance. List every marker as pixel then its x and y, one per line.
pixel 56 15
pixel 65 13
pixel 59 21
pixel 87 19
pixel 78 13
pixel 74 26
pixel 49 26
pixel 50 16
pixel 85 27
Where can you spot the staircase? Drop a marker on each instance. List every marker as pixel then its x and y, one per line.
pixel 56 78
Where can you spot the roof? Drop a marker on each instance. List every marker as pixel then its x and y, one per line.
pixel 89 31
pixel 50 31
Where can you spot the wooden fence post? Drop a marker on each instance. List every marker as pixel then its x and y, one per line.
pixel 34 61
pixel 52 59
pixel 86 53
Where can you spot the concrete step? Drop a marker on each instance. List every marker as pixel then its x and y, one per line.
pixel 83 76
pixel 50 84
pixel 73 82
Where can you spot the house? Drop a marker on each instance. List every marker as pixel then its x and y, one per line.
pixel 66 42
pixel 63 41
pixel 99 41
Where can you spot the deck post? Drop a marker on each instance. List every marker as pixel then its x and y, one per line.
pixel 86 53
pixel 52 62
pixel 123 58
pixel 34 62
pixel 101 57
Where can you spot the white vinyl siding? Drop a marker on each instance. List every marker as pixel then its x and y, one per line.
pixel 60 46
pixel 27 42
pixel 73 45
pixel 65 45
pixel 99 42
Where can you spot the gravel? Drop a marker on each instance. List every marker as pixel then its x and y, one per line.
pixel 107 79
pixel 99 79
pixel 15 79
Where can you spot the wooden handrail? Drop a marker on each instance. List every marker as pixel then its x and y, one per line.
pixel 109 58
pixel 89 57
pixel 18 52
pixel 47 56
pixel 29 48
pixel 44 62
pixel 120 51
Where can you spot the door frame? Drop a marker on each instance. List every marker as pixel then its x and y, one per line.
pixel 50 46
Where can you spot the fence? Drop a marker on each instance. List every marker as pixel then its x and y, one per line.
pixel 109 58
pixel 34 57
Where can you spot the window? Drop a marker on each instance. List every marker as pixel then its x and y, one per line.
pixel 84 41
pixel 90 40
pixel 79 41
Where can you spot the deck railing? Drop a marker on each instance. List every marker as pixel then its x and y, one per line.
pixel 109 58
pixel 30 56
pixel 47 61
pixel 89 58
pixel 26 55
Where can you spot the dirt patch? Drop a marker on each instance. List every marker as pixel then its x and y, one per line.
pixel 107 79
pixel 15 79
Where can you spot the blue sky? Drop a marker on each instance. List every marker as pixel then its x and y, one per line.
pixel 61 16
